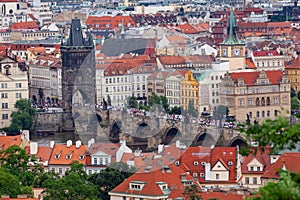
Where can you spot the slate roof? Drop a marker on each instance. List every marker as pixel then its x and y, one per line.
pixel 116 47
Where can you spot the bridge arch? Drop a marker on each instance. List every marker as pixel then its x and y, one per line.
pixel 143 130
pixel 238 141
pixel 204 139
pixel 171 135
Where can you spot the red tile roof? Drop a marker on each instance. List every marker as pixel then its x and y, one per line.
pixel 108 148
pixel 221 196
pixel 62 151
pixel 294 64
pixel 262 157
pixel 188 29
pixel 205 154
pixel 155 75
pixel 265 53
pixel 31 25
pixel 114 22
pixel 157 174
pixel 291 161
pixel 43 153
pixel 8 141
pixel 251 77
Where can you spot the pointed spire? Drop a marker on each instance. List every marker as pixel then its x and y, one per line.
pixel 232 37
pixel 75 36
pixel 123 30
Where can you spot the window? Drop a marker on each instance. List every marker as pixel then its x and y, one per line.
pixel 241 102
pixel 106 80
pixel 60 170
pixel 212 78
pixel 4 95
pixel 254 180
pixel 276 100
pixel 18 95
pixel 251 168
pixel 246 180
pixel 106 161
pixel 18 85
pixel 202 175
pixel 4 116
pixel 249 102
pixel 217 176
pixel 258 169
pixel 195 175
pixel 3 85
pixel 268 113
pixel 275 113
pixel 101 161
pixel 4 105
pixel 262 113
pixel 95 161
pixel 196 163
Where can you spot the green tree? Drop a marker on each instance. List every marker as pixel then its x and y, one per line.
pixel 158 100
pixel 110 177
pixel 175 110
pixel 293 93
pixel 74 185
pixel 295 103
pixel 278 133
pixel 132 102
pixel 23 118
pixel 192 111
pixel 9 184
pixel 287 188
pixel 192 192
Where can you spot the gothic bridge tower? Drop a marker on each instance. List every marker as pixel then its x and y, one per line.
pixel 78 73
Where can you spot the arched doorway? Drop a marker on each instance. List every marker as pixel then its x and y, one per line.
pixel 77 99
pixel 204 139
pixel 171 135
pixel 238 141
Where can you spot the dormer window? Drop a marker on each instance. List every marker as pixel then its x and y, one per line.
pixel 196 163
pixel 81 157
pixel 136 185
pixel 57 156
pixel 68 157
pixel 177 163
pixel 230 163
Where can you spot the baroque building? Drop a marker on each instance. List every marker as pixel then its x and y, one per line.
pixel 78 73
pixel 257 94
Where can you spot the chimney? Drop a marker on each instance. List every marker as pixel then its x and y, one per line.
pixel 33 148
pixel 52 144
pixel 90 142
pixel 69 143
pixel 177 143
pixel 25 135
pixel 160 148
pixel 137 152
pixel 78 144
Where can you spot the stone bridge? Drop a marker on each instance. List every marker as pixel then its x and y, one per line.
pixel 139 131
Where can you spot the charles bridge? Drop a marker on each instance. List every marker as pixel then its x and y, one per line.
pixel 140 131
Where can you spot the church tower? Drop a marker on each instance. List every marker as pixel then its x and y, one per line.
pixel 78 74
pixel 232 49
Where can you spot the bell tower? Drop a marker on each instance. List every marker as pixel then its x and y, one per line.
pixel 232 49
pixel 78 73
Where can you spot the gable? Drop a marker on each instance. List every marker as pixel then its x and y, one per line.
pixel 4 78
pixel 99 153
pixel 254 162
pixel 219 166
pixel 7 60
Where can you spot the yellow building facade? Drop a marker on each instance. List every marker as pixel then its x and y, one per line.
pixel 189 91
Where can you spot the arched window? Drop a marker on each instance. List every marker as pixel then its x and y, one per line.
pixel 257 114
pixel 268 113
pixel 275 113
pixel 263 101
pixel 268 101
pixel 257 101
pixel 262 114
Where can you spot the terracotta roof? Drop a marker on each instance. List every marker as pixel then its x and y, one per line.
pixel 108 148
pixel 265 53
pixel 250 64
pixel 262 157
pixel 113 22
pixel 177 60
pixel 172 60
pixel 37 50
pixel 139 161
pixel 163 74
pixel 294 64
pixel 63 155
pixel 188 29
pixel 250 77
pixel 156 175
pixel 8 141
pixel 176 39
pixel 205 154
pixel 291 161
pixel 44 153
pixel 24 26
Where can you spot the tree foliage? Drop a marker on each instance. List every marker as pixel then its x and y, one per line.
pixel 295 103
pixel 278 133
pixel 192 192
pixel 287 188
pixel 158 100
pixel 110 177
pixel 175 110
pixel 23 117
